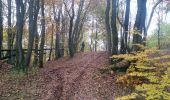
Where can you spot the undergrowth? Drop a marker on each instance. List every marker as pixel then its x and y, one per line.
pixel 148 76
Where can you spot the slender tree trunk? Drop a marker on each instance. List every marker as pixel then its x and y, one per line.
pixel 126 25
pixel 158 32
pixel 1 28
pixel 42 35
pixel 70 41
pixel 63 35
pixel 114 28
pixel 33 14
pixel 20 12
pixel 51 50
pixel 36 47
pixel 150 20
pixel 77 26
pixel 9 31
pixel 57 17
pixel 108 29
pixel 96 37
pixel 151 15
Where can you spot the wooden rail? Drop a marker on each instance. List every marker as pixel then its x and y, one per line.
pixel 13 52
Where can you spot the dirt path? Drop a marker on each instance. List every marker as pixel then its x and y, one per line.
pixel 76 78
pixel 72 79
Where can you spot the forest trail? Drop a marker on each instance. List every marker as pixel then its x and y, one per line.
pixel 74 79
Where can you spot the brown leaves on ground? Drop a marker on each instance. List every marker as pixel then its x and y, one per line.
pixel 74 78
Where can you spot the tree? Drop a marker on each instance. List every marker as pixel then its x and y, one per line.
pixel 33 14
pixel 126 27
pixel 108 28
pixel 58 31
pixel 75 28
pixel 151 15
pixel 42 34
pixel 114 28
pixel 112 35
pixel 20 12
pixel 9 31
pixel 139 26
pixel 1 27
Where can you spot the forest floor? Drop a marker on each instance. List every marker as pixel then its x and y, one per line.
pixel 78 78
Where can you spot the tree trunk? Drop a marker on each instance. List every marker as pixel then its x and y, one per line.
pixel 1 28
pixel 42 35
pixel 139 25
pixel 158 32
pixel 20 12
pixel 51 50
pixel 36 43
pixel 77 26
pixel 96 37
pixel 108 29
pixel 126 25
pixel 114 28
pixel 70 41
pixel 33 14
pixel 9 32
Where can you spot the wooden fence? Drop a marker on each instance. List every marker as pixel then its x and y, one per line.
pixel 6 55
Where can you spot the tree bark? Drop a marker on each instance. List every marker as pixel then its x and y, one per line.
pixel 108 29
pixel 114 28
pixel 1 27
pixel 42 34
pixel 70 41
pixel 126 25
pixel 52 36
pixel 58 33
pixel 9 31
pixel 33 14
pixel 20 12
pixel 139 25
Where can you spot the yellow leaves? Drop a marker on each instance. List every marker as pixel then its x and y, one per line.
pixel 161 57
pixel 150 76
pixel 128 97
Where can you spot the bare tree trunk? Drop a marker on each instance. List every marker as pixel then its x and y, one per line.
pixel 114 28
pixel 108 29
pixel 33 14
pixel 51 50
pixel 70 41
pixel 150 20
pixel 151 15
pixel 158 32
pixel 58 32
pixel 96 37
pixel 36 43
pixel 77 26
pixel 139 25
pixel 42 34
pixel 1 28
pixel 20 12
pixel 9 31
pixel 63 31
pixel 126 25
